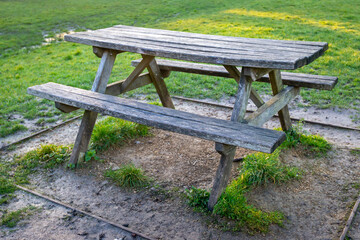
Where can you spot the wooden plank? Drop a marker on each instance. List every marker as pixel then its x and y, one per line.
pixel 243 92
pixel 213 129
pixel 65 108
pixel 89 118
pixel 113 89
pixel 180 44
pixel 227 152
pixel 159 84
pixel 265 61
pixel 116 88
pixel 99 51
pixel 137 71
pixel 223 38
pixel 206 45
pixel 256 73
pixel 291 79
pixel 255 97
pixel 222 173
pixel 277 86
pixel 268 109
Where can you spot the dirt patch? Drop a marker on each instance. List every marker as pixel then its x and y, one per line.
pixel 315 207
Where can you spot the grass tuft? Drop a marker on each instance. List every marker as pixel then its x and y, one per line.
pixel 128 176
pixel 262 168
pixel 47 156
pixel 257 169
pixel 197 198
pixel 111 131
pixel 11 219
pixel 313 145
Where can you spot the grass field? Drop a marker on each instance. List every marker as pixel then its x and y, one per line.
pixel 25 23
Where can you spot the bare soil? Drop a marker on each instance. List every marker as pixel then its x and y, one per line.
pixel 315 207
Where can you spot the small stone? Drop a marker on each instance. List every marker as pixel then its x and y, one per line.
pixel 101 236
pixel 137 142
pixel 83 234
pixel 115 168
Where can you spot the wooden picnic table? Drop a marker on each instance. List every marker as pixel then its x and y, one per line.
pixel 256 57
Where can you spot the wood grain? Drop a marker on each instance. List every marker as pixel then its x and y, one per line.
pixel 231 133
pixel 159 84
pixel 89 117
pixel 271 107
pixel 277 86
pixel 291 79
pixel 235 51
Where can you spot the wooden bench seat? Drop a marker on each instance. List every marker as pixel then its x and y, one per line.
pixel 221 131
pixel 291 79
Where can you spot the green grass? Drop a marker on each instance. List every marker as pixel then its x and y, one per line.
pixel 128 176
pixel 312 145
pixel 261 168
pixel 11 219
pixel 111 131
pixel 257 169
pixel 24 22
pixel 47 156
pixel 355 152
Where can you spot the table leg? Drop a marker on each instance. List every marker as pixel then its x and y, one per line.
pixel 159 84
pixel 277 86
pixel 89 118
pixel 228 152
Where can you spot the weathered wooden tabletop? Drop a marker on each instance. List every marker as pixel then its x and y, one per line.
pixel 235 51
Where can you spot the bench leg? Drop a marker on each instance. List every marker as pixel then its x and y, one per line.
pixel 223 172
pixel 89 118
pixel 277 86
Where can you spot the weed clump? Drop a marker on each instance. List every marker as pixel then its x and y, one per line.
pixel 111 131
pixel 47 156
pixel 262 168
pixel 257 169
pixel 314 145
pixel 197 198
pixel 128 176
pixel 11 219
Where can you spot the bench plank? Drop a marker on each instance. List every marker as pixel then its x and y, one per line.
pixel 222 131
pixel 291 79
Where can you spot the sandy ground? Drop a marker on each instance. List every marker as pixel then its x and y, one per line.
pixel 316 207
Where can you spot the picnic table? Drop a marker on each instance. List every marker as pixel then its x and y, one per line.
pixel 244 59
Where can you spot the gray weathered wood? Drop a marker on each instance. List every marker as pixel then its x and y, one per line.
pixel 256 73
pixel 113 89
pixel 222 131
pixel 271 42
pixel 153 40
pixel 65 108
pixel 159 84
pixel 223 172
pixel 268 109
pixel 116 88
pixel 291 79
pixel 99 51
pixel 137 71
pixel 89 118
pixel 260 53
pixel 277 86
pixel 255 97
pixel 243 92
pixel 227 151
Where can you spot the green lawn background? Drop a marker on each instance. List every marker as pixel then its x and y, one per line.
pixel 24 24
